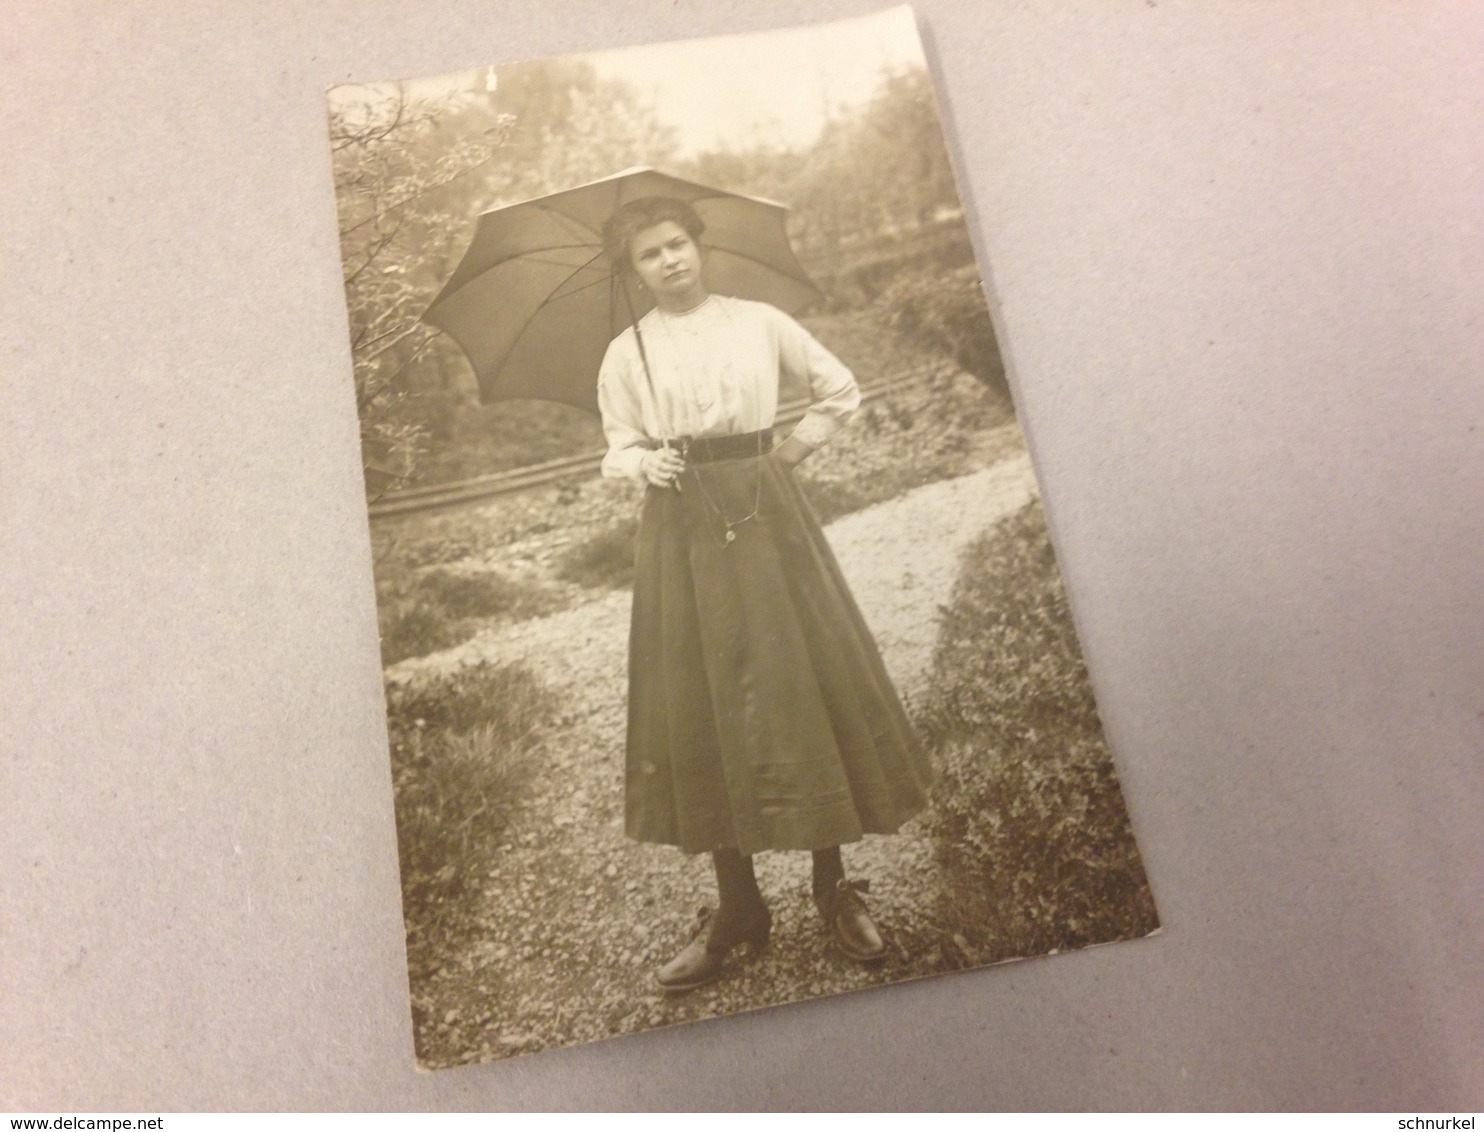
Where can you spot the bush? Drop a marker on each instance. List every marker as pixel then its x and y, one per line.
pixel 604 559
pixel 484 594
pixel 1028 816
pixel 424 612
pixel 1007 657
pixel 914 435
pixel 409 629
pixel 854 278
pixel 462 754
pixel 945 311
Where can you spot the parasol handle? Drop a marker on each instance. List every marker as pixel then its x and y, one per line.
pixel 654 400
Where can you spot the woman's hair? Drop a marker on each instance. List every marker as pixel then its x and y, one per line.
pixel 628 220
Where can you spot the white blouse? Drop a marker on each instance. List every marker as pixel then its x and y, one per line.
pixel 716 372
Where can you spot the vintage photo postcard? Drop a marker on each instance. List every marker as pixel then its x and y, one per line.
pixel 727 661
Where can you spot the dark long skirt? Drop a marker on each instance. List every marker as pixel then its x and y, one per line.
pixel 760 714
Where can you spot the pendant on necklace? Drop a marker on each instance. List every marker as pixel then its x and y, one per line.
pixel 731 536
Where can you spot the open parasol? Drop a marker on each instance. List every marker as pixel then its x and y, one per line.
pixel 535 302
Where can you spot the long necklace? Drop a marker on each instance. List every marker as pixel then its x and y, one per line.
pixel 729 525
pixel 729 533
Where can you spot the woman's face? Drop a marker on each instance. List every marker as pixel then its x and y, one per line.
pixel 669 264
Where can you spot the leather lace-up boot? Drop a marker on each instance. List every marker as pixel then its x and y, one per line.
pixel 845 914
pixel 704 958
pixel 742 919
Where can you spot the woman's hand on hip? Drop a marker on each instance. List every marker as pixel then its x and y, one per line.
pixel 792 452
pixel 662 466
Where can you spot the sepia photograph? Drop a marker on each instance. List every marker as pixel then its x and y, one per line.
pixel 727 662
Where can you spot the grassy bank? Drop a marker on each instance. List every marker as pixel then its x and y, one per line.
pixel 1028 816
pixel 462 757
pixel 420 611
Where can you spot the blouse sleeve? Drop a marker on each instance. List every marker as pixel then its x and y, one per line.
pixel 833 392
pixel 623 418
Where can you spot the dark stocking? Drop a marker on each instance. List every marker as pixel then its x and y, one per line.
pixel 829 871
pixel 741 899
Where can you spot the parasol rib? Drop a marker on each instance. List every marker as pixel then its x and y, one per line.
pixel 544 299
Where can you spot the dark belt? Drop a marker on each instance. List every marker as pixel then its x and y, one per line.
pixel 705 449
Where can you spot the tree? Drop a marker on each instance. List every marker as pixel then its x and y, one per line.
pixel 880 171
pixel 570 127
pixel 762 171
pixel 392 170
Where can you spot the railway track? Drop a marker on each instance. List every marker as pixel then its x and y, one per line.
pixel 438 496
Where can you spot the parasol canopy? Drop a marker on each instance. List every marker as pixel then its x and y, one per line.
pixel 534 302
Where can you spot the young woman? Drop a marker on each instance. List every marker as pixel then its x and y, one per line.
pixel 760 714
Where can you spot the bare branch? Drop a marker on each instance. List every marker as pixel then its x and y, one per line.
pixel 410 197
pixel 396 337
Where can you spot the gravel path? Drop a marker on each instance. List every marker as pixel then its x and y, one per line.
pixel 577 917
